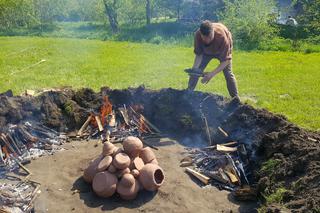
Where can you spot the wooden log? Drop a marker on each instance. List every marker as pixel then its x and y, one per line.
pixel 21 166
pixel 225 144
pixel 223 148
pixel 7 143
pixel 12 141
pixel 224 133
pixel 99 123
pixel 1 155
pixel 185 164
pixel 232 177
pixel 204 179
pixel 223 175
pixel 217 177
pixel 85 125
pixel 34 195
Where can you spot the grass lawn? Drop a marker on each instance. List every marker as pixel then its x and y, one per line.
pixel 283 82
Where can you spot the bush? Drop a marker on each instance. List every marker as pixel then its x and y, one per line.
pixel 249 21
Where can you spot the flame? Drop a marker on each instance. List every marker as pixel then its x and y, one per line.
pixel 142 126
pixel 105 110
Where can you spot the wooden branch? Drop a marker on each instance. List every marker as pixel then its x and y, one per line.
pixel 204 179
pixel 99 123
pixel 224 133
pixel 84 126
pixel 223 148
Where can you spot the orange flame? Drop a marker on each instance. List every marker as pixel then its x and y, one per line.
pixel 106 109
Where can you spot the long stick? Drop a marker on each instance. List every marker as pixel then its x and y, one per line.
pixel 84 126
pixel 4 139
pixel 21 166
pixel 207 130
pixel 204 179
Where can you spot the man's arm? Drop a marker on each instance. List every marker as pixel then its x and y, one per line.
pixel 197 61
pixel 210 75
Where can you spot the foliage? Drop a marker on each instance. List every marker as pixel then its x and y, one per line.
pixel 310 15
pixel 249 21
pixel 15 13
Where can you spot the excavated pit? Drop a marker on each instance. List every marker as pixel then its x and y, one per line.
pixel 268 137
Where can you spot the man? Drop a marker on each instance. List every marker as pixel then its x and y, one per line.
pixel 213 40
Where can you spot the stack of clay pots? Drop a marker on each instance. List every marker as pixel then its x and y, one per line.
pixel 124 170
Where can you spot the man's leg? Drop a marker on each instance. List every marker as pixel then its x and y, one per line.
pixel 231 81
pixel 193 80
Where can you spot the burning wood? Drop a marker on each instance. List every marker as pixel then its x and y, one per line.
pixel 115 123
pixel 220 163
pixel 20 143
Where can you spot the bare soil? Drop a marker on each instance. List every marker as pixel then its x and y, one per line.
pixel 63 189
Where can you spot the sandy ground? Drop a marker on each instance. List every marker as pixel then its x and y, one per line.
pixel 63 189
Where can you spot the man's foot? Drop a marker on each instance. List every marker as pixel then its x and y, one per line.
pixel 235 100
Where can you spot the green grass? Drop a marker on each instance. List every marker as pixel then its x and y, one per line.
pixel 270 165
pixel 283 82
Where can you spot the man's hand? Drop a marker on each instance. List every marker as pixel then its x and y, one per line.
pixel 207 77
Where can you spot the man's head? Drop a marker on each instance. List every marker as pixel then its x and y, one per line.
pixel 207 32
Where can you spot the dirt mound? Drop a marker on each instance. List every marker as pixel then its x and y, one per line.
pixel 282 155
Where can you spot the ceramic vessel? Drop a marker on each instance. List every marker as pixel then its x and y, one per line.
pixel 137 163
pixel 91 170
pixel 121 161
pixel 132 146
pixel 112 169
pixel 135 173
pixel 128 192
pixel 151 177
pixel 104 184
pixel 155 161
pixel 104 163
pixel 120 173
pixel 117 150
pixel 147 155
pixel 108 148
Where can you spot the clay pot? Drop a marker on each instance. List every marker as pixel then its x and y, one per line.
pixel 104 184
pixel 155 161
pixel 120 173
pixel 127 179
pixel 132 146
pixel 135 173
pixel 128 192
pixel 91 170
pixel 112 169
pixel 147 155
pixel 137 163
pixel 151 177
pixel 117 150
pixel 121 161
pixel 108 149
pixel 104 163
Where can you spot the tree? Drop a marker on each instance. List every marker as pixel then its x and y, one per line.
pixel 310 15
pixel 111 9
pixel 173 7
pixel 250 21
pixel 16 13
pixel 148 11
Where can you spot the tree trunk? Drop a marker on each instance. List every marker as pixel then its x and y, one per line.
pixel 112 15
pixel 148 11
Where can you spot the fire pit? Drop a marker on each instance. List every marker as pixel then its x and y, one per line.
pixel 228 145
